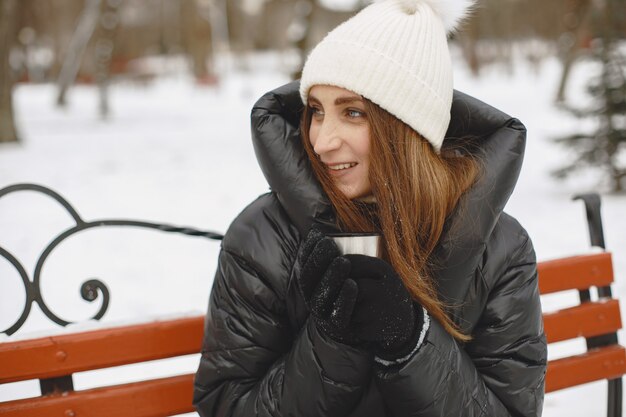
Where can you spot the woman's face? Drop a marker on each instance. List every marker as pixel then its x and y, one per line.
pixel 340 135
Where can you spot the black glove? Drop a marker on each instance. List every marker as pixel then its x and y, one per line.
pixel 327 291
pixel 385 314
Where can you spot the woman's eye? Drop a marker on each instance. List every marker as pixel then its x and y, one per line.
pixel 316 111
pixel 355 113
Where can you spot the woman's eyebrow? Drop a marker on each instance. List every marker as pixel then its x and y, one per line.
pixel 339 101
pixel 350 99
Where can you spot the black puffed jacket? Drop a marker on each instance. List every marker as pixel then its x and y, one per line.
pixel 263 356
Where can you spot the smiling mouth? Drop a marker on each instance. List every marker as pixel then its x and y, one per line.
pixel 340 167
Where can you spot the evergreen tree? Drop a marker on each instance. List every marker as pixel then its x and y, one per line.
pixel 605 147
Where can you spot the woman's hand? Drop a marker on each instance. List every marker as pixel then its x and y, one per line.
pixel 328 292
pixel 384 313
pixel 357 299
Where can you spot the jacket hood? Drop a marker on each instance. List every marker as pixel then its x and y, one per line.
pixel 497 140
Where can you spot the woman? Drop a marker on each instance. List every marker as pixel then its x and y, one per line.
pixel 446 320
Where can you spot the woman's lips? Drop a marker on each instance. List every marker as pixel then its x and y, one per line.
pixel 340 169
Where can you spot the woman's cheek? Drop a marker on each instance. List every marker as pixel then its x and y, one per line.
pixel 312 135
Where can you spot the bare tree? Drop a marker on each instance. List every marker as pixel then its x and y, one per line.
pixel 78 43
pixel 577 22
pixel 105 42
pixel 8 17
pixel 196 36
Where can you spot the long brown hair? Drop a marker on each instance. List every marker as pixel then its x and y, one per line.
pixel 415 190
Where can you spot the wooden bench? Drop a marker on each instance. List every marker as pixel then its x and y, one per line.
pixel 53 360
pixel 597 321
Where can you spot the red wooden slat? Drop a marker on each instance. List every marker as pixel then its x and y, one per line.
pixel 159 397
pixel 603 363
pixel 62 355
pixel 576 272
pixel 586 320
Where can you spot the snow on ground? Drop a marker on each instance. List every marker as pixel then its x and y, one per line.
pixel 178 153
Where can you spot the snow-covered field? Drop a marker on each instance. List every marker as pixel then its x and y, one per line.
pixel 178 153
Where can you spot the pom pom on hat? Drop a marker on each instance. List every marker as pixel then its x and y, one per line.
pixel 394 53
pixel 451 12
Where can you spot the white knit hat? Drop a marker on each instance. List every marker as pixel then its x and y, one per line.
pixel 394 53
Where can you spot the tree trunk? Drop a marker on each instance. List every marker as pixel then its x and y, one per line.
pixel 8 17
pixel 105 42
pixel 572 51
pixel 76 48
pixel 305 12
pixel 469 44
pixel 196 35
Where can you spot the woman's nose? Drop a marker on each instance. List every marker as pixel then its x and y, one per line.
pixel 328 138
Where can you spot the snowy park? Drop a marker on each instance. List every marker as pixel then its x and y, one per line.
pixel 141 116
pixel 178 153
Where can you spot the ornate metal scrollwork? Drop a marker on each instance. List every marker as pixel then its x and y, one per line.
pixel 91 289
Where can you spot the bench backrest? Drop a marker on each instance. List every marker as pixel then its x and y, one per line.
pixel 50 359
pixel 54 359
pixel 596 321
